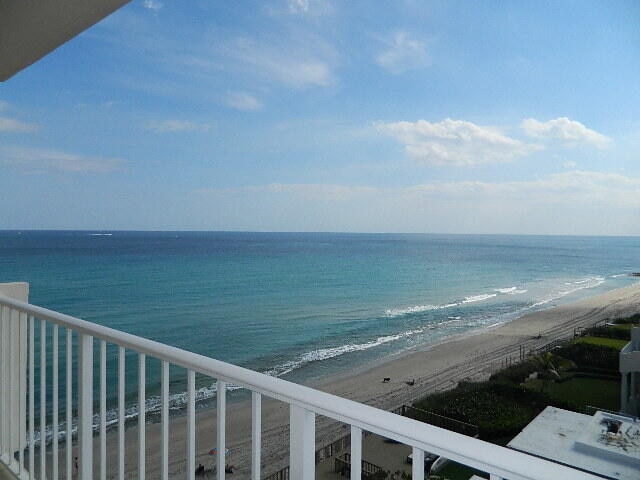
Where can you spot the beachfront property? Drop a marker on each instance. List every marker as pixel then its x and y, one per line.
pixel 81 347
pixel 630 371
pixel 34 435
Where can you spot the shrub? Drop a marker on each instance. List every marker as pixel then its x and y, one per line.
pixel 515 373
pixel 628 320
pixel 499 409
pixel 609 332
pixel 591 356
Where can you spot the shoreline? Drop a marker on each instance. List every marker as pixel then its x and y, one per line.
pixel 440 366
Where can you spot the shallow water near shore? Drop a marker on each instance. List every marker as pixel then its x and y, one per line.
pixel 303 306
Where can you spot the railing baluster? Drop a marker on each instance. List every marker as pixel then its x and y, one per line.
pixel 141 415
pixel 164 419
pixel 43 399
pixel 191 424
pixel 256 434
pixel 32 392
pixel 12 418
pixel 417 468
pixel 121 374
pixel 69 400
pixel 356 453
pixel 103 410
pixel 85 406
pixel 302 440
pixel 54 470
pixel 23 390
pixel 221 413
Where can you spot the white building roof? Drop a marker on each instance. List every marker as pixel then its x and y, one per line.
pixel 584 442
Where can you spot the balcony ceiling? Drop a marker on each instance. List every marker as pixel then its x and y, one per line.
pixel 30 29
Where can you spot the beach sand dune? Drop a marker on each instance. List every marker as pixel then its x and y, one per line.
pixel 439 367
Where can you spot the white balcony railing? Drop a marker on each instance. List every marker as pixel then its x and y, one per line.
pixel 18 445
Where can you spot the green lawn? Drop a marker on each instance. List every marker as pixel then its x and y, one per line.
pixel 604 342
pixel 583 391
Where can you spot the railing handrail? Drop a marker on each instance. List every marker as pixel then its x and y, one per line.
pixel 497 460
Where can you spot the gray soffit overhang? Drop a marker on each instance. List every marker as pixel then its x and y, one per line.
pixel 30 29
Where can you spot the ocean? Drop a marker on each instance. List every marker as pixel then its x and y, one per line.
pixel 302 306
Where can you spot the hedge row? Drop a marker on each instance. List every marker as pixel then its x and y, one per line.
pixel 499 409
pixel 591 356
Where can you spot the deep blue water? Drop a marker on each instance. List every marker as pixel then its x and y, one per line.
pixel 304 305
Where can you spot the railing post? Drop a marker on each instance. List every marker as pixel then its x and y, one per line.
pixel 302 443
pixel 256 433
pixel 417 470
pixel 356 453
pixel 221 414
pixel 142 382
pixel 85 407
pixel 164 419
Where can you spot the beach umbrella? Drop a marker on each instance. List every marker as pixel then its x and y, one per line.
pixel 214 451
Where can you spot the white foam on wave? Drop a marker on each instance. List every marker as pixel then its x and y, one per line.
pixel 510 290
pixel 506 290
pixel 479 298
pixel 101 234
pixel 332 352
pixel 578 285
pixel 397 312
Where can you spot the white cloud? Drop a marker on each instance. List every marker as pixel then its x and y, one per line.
pixel 402 53
pixel 243 101
pixel 570 164
pixel 298 6
pixel 174 126
pixel 455 142
pixel 301 62
pixel 575 202
pixel 10 125
pixel 564 131
pixel 153 5
pixel 34 160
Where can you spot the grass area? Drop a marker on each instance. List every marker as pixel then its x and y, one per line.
pixel 623 326
pixel 603 342
pixel 582 391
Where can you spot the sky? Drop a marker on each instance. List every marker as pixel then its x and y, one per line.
pixel 301 115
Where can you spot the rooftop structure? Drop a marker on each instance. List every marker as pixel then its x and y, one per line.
pixel 604 444
pixel 630 371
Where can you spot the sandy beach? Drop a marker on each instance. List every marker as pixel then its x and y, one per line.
pixel 434 368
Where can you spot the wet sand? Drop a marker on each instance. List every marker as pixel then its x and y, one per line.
pixel 434 368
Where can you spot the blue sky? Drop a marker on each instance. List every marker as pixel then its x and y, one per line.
pixel 408 116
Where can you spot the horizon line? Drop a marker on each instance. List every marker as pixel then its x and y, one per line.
pixel 311 232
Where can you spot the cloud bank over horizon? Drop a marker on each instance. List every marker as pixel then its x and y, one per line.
pixel 331 116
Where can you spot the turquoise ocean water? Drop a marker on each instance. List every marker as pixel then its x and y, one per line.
pixel 303 306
